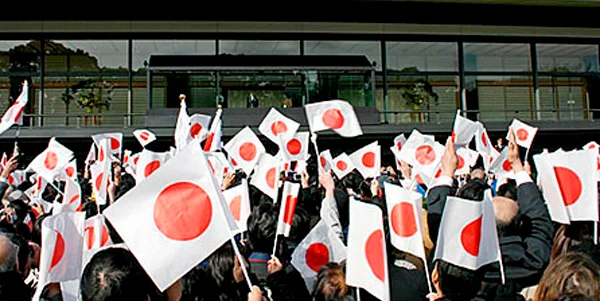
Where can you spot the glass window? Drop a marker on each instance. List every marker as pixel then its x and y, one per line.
pixel 265 88
pixel 259 47
pixel 19 56
pixel 142 49
pixel 86 56
pixel 567 58
pixel 565 98
pixel 422 56
pixel 370 49
pixel 497 57
pixel 499 98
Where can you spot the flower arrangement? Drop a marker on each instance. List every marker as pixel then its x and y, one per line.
pixel 92 94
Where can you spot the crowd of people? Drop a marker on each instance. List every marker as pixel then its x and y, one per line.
pixel 542 260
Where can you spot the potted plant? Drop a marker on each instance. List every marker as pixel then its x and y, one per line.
pixel 91 96
pixel 420 95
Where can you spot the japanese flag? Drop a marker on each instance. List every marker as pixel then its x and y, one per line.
pixel 4 160
pixel 321 246
pixel 524 133
pixel 96 233
pixel 38 188
pixel 466 159
pixel 404 218
pixel 219 165
pixel 295 148
pixel 181 209
pixel 62 242
pixel 266 176
pixel 337 115
pixel 464 130
pixel 342 165
pixel 367 256
pixel 144 137
pixel 238 200
pixel 182 126
pixel 550 189
pixel 213 140
pixel 101 174
pixel 131 165
pixel 115 142
pixel 16 178
pixel 367 160
pixel 199 126
pixel 69 171
pixel 289 199
pixel 72 195
pixel 501 166
pixel 149 162
pixel 423 153
pixel 14 114
pixel 244 149
pixel 467 236
pixel 488 159
pixel 52 161
pixel 91 157
pixel 325 160
pixel 276 124
pixel 398 144
pixel 483 143
pixel 300 166
pixel 595 146
pixel 126 157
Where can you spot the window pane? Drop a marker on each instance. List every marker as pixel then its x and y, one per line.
pixel 500 98
pixel 567 58
pixel 370 49
pixel 266 88
pixel 354 86
pixel 565 98
pixel 19 56
pixel 260 47
pixel 422 56
pixel 497 57
pixel 143 49
pixel 86 56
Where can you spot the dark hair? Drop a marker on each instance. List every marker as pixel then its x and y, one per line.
pixel 114 274
pixel 577 236
pixel 576 297
pixel 196 285
pixel 13 288
pixel 330 284
pixel 220 269
pixel 508 190
pixel 90 209
pixel 262 225
pixel 11 233
pixel 474 190
pixel 127 182
pixel 571 273
pixel 457 283
pixel 21 209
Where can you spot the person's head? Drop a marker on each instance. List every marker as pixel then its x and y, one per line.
pixel 262 225
pixel 12 287
pixel 220 265
pixel 508 190
pixel 577 236
pixel 8 255
pixel 478 173
pixel 330 284
pixel 575 298
pixel 114 274
pixel 23 251
pixel 474 190
pixel 454 282
pixel 507 216
pixel 570 274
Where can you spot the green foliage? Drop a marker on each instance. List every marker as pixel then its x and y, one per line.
pixel 90 94
pixel 420 93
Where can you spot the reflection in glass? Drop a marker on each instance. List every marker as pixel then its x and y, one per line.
pixel 143 49
pixel 370 49
pixel 86 56
pixel 259 47
pixel 497 57
pixel 567 58
pixel 422 56
pixel 500 97
pixel 567 98
pixel 239 89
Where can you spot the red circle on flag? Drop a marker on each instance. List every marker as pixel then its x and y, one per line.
pixel 420 179
pixel 236 206
pixel 506 166
pixel 461 162
pixel 470 236
pixel 151 168
pixel 294 147
pixel 484 139
pixel 18 115
pixel 522 134
pixel 368 159
pixel 592 146
pixel 89 234
pixel 195 130
pixel 438 173
pixel 101 155
pixel 317 255
pixel 51 160
pixel 135 160
pixel 453 136
pixel 114 144
pixel 70 171
pixel 99 181
pixel 59 251
pixel 333 119
pixel 286 166
pixel 399 145
pixel 374 252
pixel 270 177
pixel 425 155
pixel 403 220
pixel 290 208
pixel 10 179
pixel 183 211
pixel 323 161
pixel 341 165
pixel 247 151
pixel 278 127
pixel 105 236
pixel 144 136
pixel 570 185
pixel 74 199
pixel 233 162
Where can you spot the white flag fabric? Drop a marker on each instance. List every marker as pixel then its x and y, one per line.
pixel 244 149
pixel 289 199
pixel 501 166
pixel 423 153
pixel 595 146
pixel 148 163
pixel 180 209
pixel 91 157
pixel 219 165
pixel 182 126
pixel 336 115
pixel 524 133
pixel 464 131
pixel 488 159
pixel 295 148
pixel 4 160
pixel 144 137
pixel 266 176
pixel 398 144
pixel 404 218
pixel 366 266
pixel 238 200
pixel 342 165
pixel 325 160
pixel 367 160
pixel 321 246
pixel 483 143
pixel 100 179
pixel 198 127
pixel 276 124
pixel 115 139
pixel 14 114
pixel 213 140
pixel 51 162
pixel 38 188
pixel 96 233
pixel 16 178
pixel 467 158
pixel 550 189
pixel 468 236
pixel 72 195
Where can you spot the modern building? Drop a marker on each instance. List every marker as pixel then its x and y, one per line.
pixel 410 63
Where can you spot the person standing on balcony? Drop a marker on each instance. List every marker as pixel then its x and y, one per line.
pixel 252 101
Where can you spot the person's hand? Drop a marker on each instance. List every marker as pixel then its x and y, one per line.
pixel 527 167
pixel 449 159
pixel 391 170
pixel 406 170
pixel 274 265
pixel 513 153
pixel 375 188
pixel 238 272
pixel 34 257
pixel 10 166
pixel 173 293
pixel 255 294
pixel 227 181
pixel 326 180
pixel 304 180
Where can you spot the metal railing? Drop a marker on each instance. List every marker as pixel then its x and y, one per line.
pixel 82 120
pixel 438 116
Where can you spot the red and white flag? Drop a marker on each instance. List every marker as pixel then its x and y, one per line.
pixel 483 143
pixel 91 157
pixel 62 242
pixel 367 160
pixel 336 115
pixel 244 149
pixel 101 174
pixel 342 165
pixel 595 146
pixel 14 114
pixel 289 199
pixel 238 200
pixel 276 125
pixel 550 189
pixel 300 166
pixel 126 157
pixel 325 160
pixel 115 142
pixel 69 171
pixel 199 127
pixel 488 159
pixel 131 165
pixel 72 195
pixel 219 165
pixel 181 209
pixel 36 190
pixel 182 126
pixel 501 167
pixel 16 178
pixel 464 130
pixel 468 236
pixel 148 163
pixel 296 147
pixel 398 144
pixel 320 247
pixel 366 266
pixel 423 153
pixel 524 133
pixel 404 218
pixel 266 176
pixel 4 160
pixel 144 137
pixel 96 233
pixel 51 162
pixel 467 158
pixel 213 140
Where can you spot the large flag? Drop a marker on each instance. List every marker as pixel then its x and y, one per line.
pixel 115 139
pixel 244 149
pixel 524 133
pixel 238 200
pixel 342 165
pixel 213 140
pixel 181 209
pixel 464 130
pixel 14 114
pixel 289 199
pixel 367 256
pixel 294 148
pixel 337 115
pixel 144 137
pixel 550 188
pixel 51 162
pixel 367 160
pixel 266 176
pixel 404 216
pixel 321 246
pixel 276 124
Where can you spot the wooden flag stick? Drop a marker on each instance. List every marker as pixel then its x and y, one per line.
pixel 275 245
pixel 242 262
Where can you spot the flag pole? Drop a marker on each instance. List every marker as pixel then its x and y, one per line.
pixel 357 294
pixel 502 270
pixel 275 245
pixel 596 233
pixel 527 154
pixel 54 186
pixel 313 139
pixel 242 262
pixel 427 275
